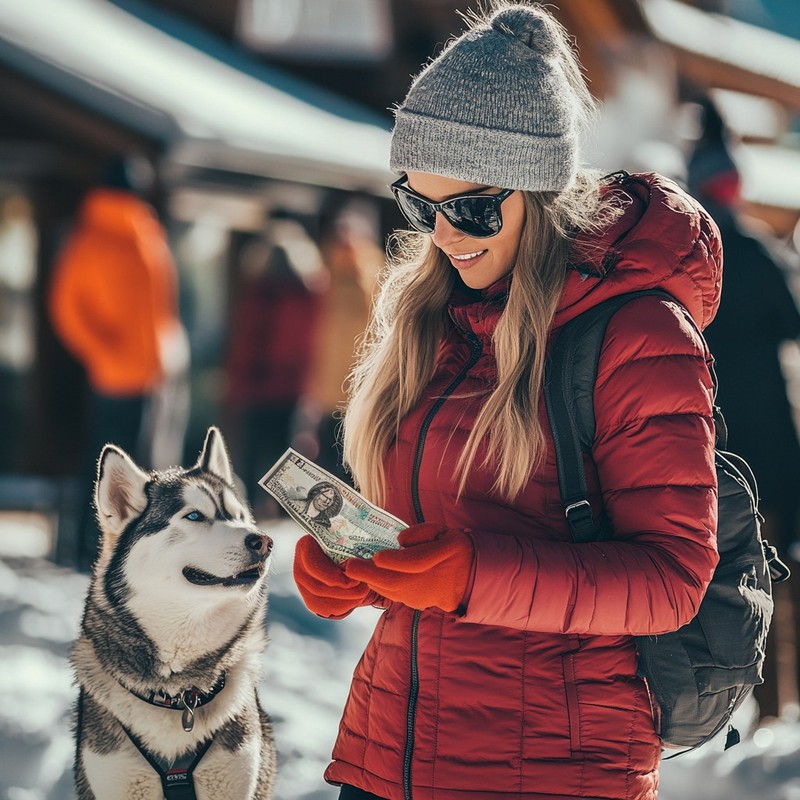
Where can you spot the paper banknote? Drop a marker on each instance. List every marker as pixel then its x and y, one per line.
pixel 337 516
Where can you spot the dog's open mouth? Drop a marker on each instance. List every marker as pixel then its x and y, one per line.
pixel 200 577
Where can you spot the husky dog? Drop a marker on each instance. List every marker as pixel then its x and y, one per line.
pixel 167 660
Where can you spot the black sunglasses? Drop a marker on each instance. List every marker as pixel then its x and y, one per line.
pixel 476 215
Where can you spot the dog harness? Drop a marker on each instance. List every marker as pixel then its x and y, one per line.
pixel 177 777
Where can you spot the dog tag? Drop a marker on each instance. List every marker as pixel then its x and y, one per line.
pixel 190 700
pixel 187 719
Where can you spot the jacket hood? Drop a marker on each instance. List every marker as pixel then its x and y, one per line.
pixel 116 212
pixel 662 239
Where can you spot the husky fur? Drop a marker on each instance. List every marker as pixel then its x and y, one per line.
pixel 178 595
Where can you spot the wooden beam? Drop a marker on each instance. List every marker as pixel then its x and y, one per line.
pixel 596 18
pixel 710 73
pixel 604 31
pixel 56 119
pixel 782 221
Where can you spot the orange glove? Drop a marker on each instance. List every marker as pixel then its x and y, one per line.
pixel 324 587
pixel 433 567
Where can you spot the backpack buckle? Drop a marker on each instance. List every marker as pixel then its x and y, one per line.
pixel 579 519
pixel 778 571
pixel 586 510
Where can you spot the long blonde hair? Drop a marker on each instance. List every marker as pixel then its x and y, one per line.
pixel 398 354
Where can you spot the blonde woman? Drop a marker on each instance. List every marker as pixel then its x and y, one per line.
pixel 504 664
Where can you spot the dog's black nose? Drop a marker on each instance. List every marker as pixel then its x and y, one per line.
pixel 258 542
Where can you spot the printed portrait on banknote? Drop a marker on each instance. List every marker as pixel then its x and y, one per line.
pixel 345 524
pixel 323 502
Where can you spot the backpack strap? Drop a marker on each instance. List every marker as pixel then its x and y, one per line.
pixel 570 376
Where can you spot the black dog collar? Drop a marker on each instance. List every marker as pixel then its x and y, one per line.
pixel 186 700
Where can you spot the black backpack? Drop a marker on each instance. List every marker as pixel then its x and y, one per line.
pixel 701 673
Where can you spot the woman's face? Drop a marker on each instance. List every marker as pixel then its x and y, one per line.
pixel 487 259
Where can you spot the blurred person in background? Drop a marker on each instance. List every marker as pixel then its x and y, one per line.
pixel 113 304
pixel 17 280
pixel 758 312
pixel 273 323
pixel 354 258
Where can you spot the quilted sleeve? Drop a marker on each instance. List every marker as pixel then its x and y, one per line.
pixel 654 451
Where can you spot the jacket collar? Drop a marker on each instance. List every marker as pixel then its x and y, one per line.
pixel 477 311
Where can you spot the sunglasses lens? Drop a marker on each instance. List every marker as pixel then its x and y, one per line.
pixel 418 213
pixel 476 216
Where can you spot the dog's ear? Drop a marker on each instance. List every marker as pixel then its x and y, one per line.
pixel 214 456
pixel 119 493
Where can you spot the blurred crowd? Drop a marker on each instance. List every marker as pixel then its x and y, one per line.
pixel 758 314
pixel 298 312
pixel 300 295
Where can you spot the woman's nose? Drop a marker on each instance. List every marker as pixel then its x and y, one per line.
pixel 444 233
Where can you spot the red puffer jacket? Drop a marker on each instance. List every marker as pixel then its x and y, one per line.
pixel 533 692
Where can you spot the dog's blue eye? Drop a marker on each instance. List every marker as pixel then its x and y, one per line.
pixel 194 516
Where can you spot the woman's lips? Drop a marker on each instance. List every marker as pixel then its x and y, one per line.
pixel 462 261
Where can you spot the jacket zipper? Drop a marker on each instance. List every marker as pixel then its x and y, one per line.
pixel 413 692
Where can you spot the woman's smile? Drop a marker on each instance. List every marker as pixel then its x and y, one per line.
pixel 467 260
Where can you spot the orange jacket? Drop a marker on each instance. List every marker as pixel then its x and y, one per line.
pixel 113 295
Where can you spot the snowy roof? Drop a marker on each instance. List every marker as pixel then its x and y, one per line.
pixel 728 41
pixel 749 116
pixel 240 116
pixel 770 175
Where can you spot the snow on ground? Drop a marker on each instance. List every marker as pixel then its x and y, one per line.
pixel 307 669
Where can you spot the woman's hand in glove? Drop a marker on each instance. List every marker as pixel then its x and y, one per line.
pixel 433 567
pixel 324 587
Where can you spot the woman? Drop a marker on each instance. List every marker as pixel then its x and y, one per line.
pixel 504 664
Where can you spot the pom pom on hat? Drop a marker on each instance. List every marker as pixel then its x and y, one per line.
pixel 529 26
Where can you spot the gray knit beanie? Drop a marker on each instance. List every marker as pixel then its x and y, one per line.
pixel 495 108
